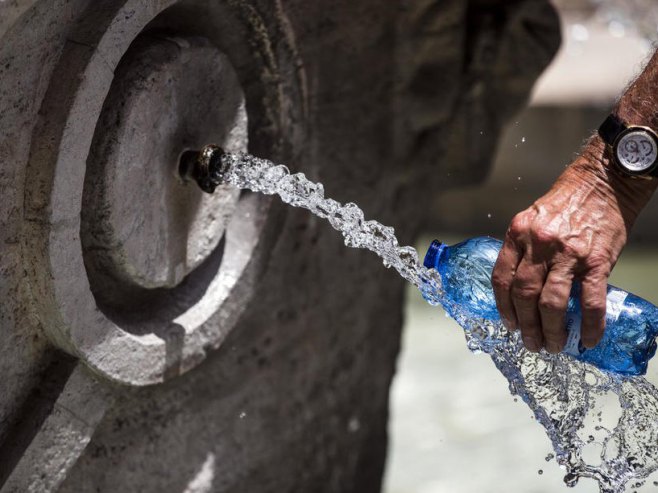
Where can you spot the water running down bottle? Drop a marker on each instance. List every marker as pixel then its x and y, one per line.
pixel 631 322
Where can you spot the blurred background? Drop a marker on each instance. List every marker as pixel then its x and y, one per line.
pixel 454 426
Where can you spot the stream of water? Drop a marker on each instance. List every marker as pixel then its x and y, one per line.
pixel 601 426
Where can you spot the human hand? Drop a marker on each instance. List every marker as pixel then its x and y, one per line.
pixel 574 232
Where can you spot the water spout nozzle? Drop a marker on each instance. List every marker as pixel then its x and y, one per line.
pixel 206 167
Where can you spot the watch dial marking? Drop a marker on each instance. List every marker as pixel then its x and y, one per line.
pixel 637 150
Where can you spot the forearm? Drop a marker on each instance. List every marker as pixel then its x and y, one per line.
pixel 637 106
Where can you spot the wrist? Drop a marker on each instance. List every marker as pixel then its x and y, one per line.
pixel 594 169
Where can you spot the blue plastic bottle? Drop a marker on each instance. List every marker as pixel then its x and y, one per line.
pixel 631 322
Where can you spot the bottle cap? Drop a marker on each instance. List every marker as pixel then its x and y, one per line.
pixel 432 255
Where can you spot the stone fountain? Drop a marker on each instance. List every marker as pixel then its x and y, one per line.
pixel 154 338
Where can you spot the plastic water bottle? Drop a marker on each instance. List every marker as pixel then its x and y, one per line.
pixel 631 323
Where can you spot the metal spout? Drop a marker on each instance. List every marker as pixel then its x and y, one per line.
pixel 205 167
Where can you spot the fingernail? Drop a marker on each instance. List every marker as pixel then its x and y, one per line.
pixel 531 343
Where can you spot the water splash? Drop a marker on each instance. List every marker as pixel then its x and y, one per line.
pixel 602 426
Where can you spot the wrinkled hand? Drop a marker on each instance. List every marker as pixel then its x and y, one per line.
pixel 574 232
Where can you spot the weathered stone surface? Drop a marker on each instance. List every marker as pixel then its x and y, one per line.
pixel 281 385
pixel 62 436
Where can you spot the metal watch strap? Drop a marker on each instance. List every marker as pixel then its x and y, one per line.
pixel 611 128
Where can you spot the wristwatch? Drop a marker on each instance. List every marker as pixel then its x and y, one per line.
pixel 634 148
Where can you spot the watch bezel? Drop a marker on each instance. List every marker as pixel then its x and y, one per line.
pixel 630 129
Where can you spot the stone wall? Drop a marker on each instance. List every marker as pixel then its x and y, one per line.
pixel 152 339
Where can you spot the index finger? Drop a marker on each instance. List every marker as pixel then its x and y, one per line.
pixel 501 280
pixel 593 305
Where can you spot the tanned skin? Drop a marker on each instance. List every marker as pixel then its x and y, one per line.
pixel 574 232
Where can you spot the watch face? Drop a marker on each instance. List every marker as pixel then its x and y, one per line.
pixel 636 150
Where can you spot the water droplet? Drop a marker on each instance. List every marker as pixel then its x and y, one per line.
pixel 579 33
pixel 616 29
